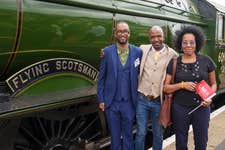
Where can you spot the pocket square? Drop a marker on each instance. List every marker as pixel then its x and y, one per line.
pixel 137 62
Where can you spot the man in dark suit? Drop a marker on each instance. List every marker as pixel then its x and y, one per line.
pixel 117 87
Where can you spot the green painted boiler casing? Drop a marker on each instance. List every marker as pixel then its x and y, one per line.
pixel 34 31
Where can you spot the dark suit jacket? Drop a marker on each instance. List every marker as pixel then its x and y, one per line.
pixel 107 78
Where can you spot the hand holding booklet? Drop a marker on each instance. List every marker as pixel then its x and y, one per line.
pixel 204 91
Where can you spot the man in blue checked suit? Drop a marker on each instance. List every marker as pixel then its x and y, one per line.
pixel 117 87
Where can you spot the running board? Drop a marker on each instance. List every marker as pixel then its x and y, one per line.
pixel 10 107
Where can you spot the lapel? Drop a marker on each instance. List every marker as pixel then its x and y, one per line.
pixel 145 51
pixel 132 57
pixel 114 58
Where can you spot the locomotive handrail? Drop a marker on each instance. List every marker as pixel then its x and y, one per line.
pixel 163 5
pixel 157 16
pixel 116 9
pixel 109 8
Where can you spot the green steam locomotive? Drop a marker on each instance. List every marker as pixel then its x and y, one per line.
pixel 49 58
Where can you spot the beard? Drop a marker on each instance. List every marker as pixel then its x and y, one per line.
pixel 158 46
pixel 122 42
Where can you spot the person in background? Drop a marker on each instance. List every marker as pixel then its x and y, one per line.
pixel 154 61
pixel 117 87
pixel 191 69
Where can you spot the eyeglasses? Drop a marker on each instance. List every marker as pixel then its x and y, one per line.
pixel 122 32
pixel 192 43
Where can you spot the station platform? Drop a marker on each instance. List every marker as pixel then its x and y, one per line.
pixel 216 135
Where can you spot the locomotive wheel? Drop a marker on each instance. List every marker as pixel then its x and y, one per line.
pixel 48 133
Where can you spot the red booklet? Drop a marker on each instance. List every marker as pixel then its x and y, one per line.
pixel 204 90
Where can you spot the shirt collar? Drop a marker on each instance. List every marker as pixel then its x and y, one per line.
pixel 122 50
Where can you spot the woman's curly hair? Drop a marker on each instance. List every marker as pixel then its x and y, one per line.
pixel 196 31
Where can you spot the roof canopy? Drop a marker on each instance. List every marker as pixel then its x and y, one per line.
pixel 218 4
